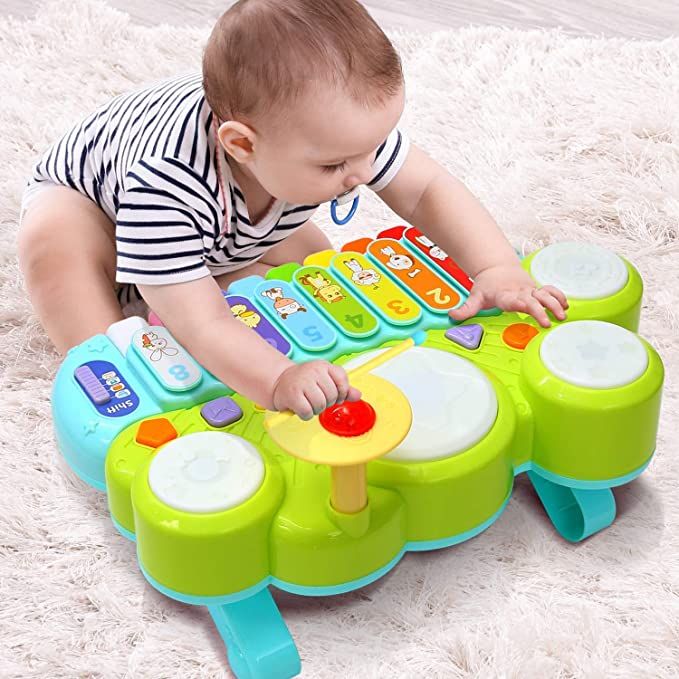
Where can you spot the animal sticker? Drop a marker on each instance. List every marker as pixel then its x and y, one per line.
pixel 284 306
pixel 434 250
pixel 157 346
pixel 325 289
pixel 248 316
pixel 399 262
pixel 362 276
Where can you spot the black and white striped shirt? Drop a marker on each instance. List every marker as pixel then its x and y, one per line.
pixel 150 160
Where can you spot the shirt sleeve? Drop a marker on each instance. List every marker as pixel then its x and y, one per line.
pixel 389 159
pixel 166 213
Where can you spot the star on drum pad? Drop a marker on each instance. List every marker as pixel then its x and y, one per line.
pixel 586 269
pixel 593 351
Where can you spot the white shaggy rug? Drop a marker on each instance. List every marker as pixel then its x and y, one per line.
pixel 563 138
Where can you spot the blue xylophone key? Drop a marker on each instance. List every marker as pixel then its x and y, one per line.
pixel 289 310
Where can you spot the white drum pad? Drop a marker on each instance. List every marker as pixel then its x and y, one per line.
pixel 580 270
pixel 594 354
pixel 207 471
pixel 453 402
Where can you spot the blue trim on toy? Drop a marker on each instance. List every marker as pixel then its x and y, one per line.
pixel 72 459
pixel 419 337
pixel 257 640
pixel 414 546
pixel 582 485
pixel 123 531
pixel 577 509
pixel 350 214
pixel 493 311
pixel 428 545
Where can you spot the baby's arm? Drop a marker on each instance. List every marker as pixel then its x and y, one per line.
pixel 429 197
pixel 199 318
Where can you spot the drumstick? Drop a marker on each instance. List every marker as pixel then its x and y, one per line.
pixel 373 363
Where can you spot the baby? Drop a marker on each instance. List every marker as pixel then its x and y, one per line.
pixel 172 192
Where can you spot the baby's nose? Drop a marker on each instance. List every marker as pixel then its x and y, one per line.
pixel 356 178
pixel 359 173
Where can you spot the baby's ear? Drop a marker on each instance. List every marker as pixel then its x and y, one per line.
pixel 237 140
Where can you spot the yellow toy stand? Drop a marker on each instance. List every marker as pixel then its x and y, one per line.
pixel 348 455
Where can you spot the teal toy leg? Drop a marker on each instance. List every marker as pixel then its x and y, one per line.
pixel 575 513
pixel 258 642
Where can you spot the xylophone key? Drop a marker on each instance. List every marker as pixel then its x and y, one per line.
pixel 166 359
pixel 246 312
pixel 389 300
pixel 434 255
pixel 336 301
pixel 432 291
pixel 289 310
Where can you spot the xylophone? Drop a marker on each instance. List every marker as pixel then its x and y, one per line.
pixel 225 499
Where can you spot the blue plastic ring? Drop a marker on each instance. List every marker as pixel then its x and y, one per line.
pixel 350 214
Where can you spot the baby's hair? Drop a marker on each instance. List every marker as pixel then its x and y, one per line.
pixel 263 55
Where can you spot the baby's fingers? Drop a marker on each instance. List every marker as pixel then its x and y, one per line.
pixel 354 394
pixel 339 377
pixel 301 406
pixel 315 396
pixel 555 292
pixel 550 301
pixel 524 303
pixel 470 308
pixel 346 391
pixel 329 387
pixel 537 311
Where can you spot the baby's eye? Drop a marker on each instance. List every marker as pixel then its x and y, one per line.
pixel 334 168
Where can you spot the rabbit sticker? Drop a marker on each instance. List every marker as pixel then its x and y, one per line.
pixel 362 276
pixel 434 250
pixel 284 306
pixel 399 262
pixel 157 346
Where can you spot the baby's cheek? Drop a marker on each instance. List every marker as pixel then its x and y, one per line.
pixel 311 189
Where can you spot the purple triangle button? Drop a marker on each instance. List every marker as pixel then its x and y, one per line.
pixel 467 336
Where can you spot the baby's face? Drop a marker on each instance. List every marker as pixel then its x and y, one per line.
pixel 326 146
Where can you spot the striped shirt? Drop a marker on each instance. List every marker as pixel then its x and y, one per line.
pixel 151 160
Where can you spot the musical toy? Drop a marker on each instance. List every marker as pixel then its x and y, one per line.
pixel 225 499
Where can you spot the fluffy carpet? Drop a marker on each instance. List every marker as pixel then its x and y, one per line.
pixel 562 138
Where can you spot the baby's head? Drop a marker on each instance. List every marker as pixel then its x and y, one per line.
pixel 305 91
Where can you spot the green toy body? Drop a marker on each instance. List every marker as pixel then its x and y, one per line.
pixel 289 530
pixel 575 442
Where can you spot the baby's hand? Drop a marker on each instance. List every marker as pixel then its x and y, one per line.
pixel 309 388
pixel 511 288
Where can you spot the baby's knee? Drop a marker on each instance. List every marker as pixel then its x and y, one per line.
pixel 48 252
pixel 34 253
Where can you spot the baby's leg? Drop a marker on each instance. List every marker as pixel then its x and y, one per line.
pixel 305 241
pixel 67 255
